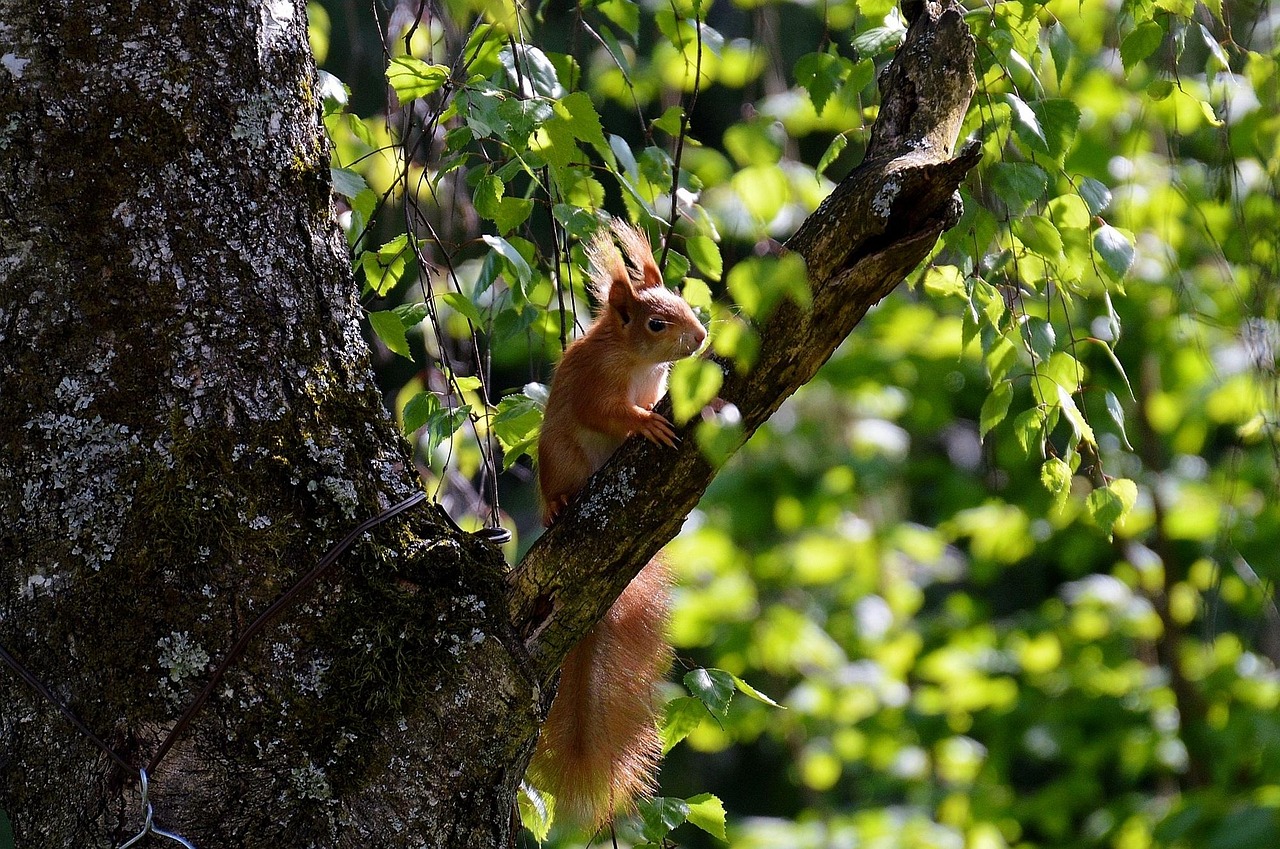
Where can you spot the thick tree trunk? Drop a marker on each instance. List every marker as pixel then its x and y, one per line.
pixel 188 423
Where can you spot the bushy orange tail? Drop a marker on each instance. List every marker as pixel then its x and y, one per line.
pixel 599 746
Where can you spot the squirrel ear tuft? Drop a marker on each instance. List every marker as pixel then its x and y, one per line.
pixel 635 242
pixel 607 266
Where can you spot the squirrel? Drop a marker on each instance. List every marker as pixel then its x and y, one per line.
pixel 599 746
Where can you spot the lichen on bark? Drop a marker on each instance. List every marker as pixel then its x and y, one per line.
pixel 194 423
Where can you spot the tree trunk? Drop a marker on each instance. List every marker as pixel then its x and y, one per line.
pixel 189 423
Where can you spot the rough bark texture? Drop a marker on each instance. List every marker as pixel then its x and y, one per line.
pixel 188 422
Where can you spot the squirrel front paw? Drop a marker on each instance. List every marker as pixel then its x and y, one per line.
pixel 656 428
pixel 551 511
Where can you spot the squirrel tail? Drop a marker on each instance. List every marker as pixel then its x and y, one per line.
pixel 599 746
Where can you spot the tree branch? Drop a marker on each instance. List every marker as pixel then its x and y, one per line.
pixel 879 224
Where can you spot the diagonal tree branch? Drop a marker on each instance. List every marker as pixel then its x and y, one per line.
pixel 874 229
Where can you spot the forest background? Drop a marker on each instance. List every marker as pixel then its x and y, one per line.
pixel 1007 564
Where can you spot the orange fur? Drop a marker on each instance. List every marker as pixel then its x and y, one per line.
pixel 599 747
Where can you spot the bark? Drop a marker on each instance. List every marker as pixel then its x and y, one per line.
pixel 188 423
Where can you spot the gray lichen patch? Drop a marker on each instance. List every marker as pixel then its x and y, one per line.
pixel 181 656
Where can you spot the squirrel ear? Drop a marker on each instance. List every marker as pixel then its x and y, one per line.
pixel 635 242
pixel 622 298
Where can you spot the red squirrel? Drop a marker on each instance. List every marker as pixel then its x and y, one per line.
pixel 599 747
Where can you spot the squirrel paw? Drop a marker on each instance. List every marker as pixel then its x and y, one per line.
pixel 657 429
pixel 551 511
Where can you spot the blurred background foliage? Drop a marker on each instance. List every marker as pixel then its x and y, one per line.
pixel 1008 562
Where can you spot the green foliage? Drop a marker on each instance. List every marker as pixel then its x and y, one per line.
pixel 1008 561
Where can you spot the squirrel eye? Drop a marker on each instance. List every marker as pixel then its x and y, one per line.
pixel 657 325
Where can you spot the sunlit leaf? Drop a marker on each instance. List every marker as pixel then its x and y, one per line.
pixel 995 407
pixel 1069 409
pixel 705 253
pixel 1095 194
pixel 537 811
pixel 390 330
pixel 1110 504
pixel 412 78
pixel 707 813
pixel 1115 248
pixel 1056 477
pixel 417 410
pixel 679 719
pixel 752 692
pixel 1140 43
pixel 693 384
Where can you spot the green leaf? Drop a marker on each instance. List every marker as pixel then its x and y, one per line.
pixel 624 14
pixel 1074 416
pixel 1216 54
pixel 1026 124
pixel 832 153
pixel 671 121
pixel 943 281
pixel 463 305
pixel 660 815
pixel 1029 430
pixel 1115 361
pixel 714 687
pixel 347 183
pixel 1160 89
pixel 1056 477
pixel 821 75
pixel 680 718
pixel 411 314
pixel 528 67
pixel 390 330
pixel 1042 338
pixel 579 222
pixel 1095 194
pixel 417 410
pixel 1018 184
pixel 515 262
pixel 705 253
pixel 537 811
pixel 384 267
pixel 707 813
pixel 443 423
pixel 879 40
pixel 1141 43
pixel 1061 48
pixel 995 407
pixel 1117 415
pixel 580 114
pixel 1059 121
pixel 1039 234
pixel 1110 504
pixel 1115 248
pixel 751 692
pixel 412 78
pixel 507 213
pixel 516 426
pixel 693 384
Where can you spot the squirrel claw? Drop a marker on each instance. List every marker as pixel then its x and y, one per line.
pixel 657 429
